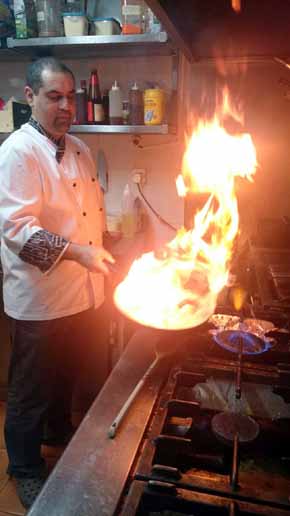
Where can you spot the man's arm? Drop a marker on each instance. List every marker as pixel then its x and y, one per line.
pixel 21 192
pixel 91 257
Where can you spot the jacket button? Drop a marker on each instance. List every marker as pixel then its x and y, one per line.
pixel 74 185
pixel 90 242
pixel 93 179
pixel 84 213
pixel 101 209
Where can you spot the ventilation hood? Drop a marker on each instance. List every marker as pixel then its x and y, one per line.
pixel 213 28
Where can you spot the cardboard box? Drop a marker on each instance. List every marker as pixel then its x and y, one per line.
pixel 13 116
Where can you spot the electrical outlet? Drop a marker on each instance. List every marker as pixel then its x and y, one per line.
pixel 139 176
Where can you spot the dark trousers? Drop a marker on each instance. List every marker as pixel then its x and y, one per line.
pixel 49 361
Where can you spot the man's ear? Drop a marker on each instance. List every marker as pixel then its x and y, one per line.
pixel 29 95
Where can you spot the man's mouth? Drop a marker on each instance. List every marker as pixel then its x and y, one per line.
pixel 64 119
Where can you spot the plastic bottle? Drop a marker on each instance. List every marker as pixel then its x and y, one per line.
pixel 136 115
pixel 128 213
pixel 152 24
pixel 81 104
pixel 115 105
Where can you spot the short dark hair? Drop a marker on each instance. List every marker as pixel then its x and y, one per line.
pixel 35 69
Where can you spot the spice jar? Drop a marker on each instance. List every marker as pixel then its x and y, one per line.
pixel 132 16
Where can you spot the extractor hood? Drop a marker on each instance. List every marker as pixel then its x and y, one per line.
pixel 210 28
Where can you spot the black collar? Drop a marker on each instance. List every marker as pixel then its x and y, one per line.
pixel 59 142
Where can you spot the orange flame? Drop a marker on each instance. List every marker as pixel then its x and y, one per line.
pixel 178 289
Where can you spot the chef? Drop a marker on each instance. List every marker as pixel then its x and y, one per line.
pixel 52 222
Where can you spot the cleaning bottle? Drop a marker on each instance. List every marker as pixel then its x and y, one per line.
pixel 115 105
pixel 128 213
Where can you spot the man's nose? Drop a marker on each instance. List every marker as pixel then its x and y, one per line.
pixel 64 103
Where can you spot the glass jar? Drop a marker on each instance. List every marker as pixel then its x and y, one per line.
pixel 73 6
pixel 125 112
pixel 48 13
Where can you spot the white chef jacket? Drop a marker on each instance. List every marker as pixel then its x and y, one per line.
pixel 38 193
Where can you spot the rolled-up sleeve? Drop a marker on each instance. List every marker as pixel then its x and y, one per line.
pixel 21 201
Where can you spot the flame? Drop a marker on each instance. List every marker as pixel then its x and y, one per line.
pixel 177 288
pixel 239 296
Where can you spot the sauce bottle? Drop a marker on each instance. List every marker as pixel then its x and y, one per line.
pixel 136 110
pixel 95 105
pixel 105 101
pixel 115 105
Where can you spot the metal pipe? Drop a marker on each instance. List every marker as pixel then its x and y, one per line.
pixel 235 463
pixel 239 370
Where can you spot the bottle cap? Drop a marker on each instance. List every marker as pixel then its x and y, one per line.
pixel 115 86
pixel 135 86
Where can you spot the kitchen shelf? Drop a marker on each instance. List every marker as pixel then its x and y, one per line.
pixel 120 129
pixel 112 129
pixel 78 47
pixel 75 47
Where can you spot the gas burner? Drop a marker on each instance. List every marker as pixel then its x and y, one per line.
pixel 227 425
pixel 238 341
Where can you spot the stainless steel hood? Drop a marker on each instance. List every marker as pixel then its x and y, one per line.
pixel 212 28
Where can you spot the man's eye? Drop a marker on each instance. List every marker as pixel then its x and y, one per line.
pixel 54 98
pixel 58 98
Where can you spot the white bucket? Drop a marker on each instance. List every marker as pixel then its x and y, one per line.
pixel 106 26
pixel 75 24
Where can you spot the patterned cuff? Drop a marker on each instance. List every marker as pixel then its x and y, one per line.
pixel 43 249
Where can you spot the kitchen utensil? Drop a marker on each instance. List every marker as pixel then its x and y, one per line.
pixel 117 421
pixel 102 170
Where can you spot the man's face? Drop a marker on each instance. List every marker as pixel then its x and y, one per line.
pixel 54 104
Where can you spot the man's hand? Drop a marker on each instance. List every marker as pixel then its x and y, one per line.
pixel 90 257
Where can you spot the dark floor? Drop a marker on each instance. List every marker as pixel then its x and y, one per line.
pixel 9 502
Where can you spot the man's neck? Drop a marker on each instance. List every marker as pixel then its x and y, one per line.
pixel 53 137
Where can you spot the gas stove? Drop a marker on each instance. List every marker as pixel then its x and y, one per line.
pixel 185 467
pixel 168 456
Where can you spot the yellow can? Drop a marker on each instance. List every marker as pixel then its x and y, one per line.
pixel 154 106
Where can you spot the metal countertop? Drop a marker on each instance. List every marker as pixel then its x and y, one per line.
pixel 90 475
